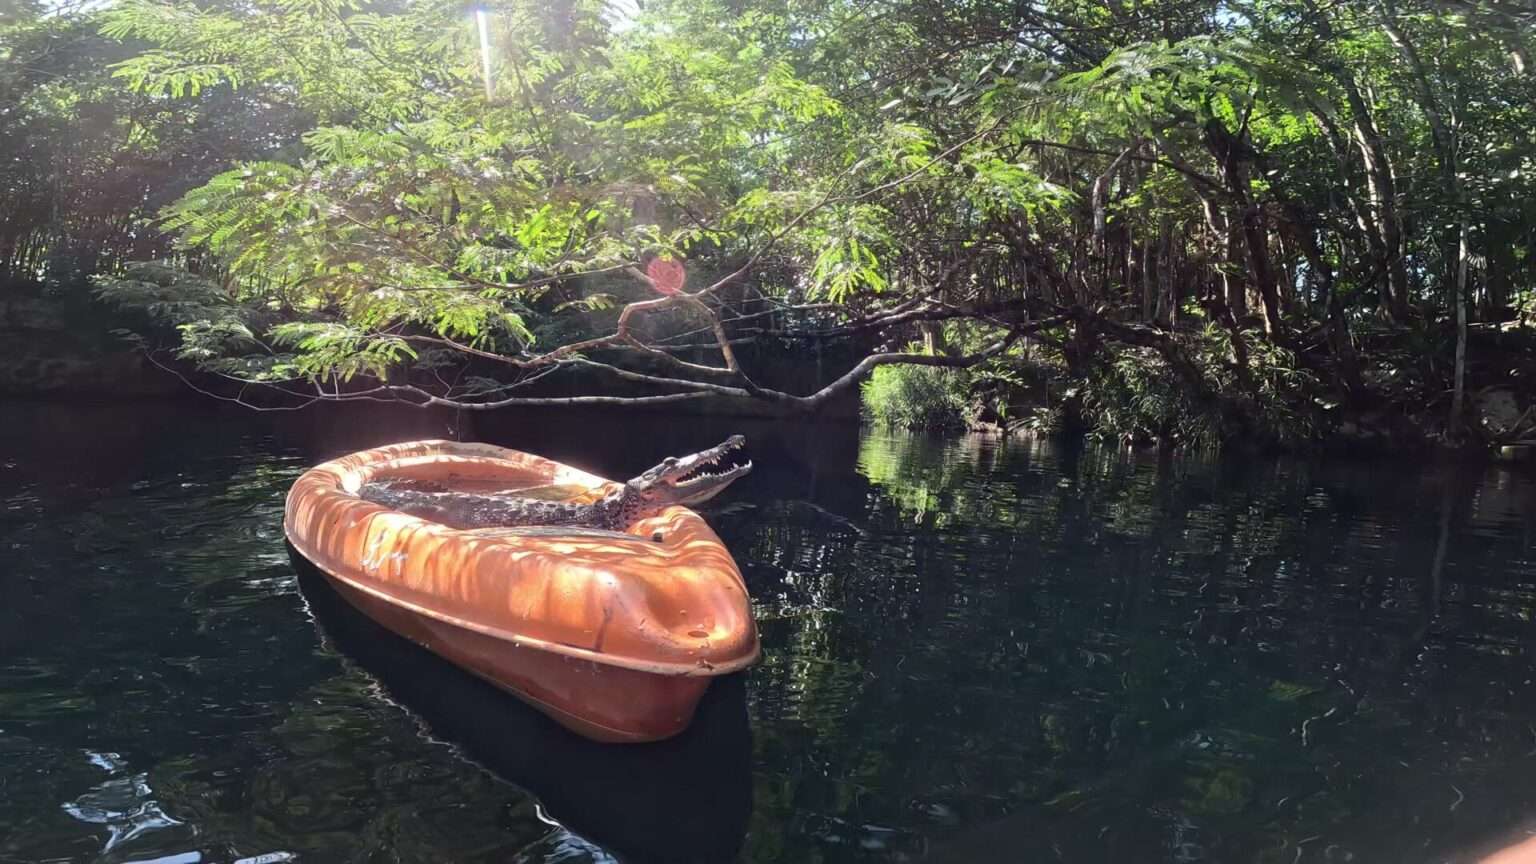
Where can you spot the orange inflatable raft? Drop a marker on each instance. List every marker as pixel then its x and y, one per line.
pixel 615 637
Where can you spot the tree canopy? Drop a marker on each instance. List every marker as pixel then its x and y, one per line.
pixel 1203 220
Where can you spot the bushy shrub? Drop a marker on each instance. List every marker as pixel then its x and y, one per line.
pixel 1126 393
pixel 916 397
pixel 1134 394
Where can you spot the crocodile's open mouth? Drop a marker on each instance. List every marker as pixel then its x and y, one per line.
pixel 709 470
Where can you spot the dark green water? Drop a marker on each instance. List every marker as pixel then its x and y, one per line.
pixel 973 651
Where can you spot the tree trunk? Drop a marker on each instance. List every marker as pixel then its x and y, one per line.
pixel 1221 250
pixel 1440 133
pixel 1149 292
pixel 1339 337
pixel 1382 186
pixel 1236 286
pixel 933 337
pixel 1231 152
pixel 1167 276
pixel 1458 394
pixel 1385 224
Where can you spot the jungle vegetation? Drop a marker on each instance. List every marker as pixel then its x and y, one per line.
pixel 1261 221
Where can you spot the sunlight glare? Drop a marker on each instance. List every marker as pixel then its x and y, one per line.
pixel 485 50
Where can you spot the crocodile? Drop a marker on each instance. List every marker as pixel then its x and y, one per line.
pixel 683 481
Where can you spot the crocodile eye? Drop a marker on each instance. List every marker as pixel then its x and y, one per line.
pixel 656 537
pixel 670 461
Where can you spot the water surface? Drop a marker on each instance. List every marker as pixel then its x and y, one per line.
pixel 973 651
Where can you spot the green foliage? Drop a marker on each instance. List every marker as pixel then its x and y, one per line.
pixel 1287 396
pixel 345 170
pixel 936 397
pixel 916 397
pixel 420 208
pixel 1135 395
pixel 337 350
pixel 86 163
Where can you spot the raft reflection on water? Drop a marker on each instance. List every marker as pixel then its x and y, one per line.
pixel 685 799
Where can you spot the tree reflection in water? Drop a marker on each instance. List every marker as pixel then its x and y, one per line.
pixel 1085 653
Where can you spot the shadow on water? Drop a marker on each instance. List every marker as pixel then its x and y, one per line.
pixel 687 799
